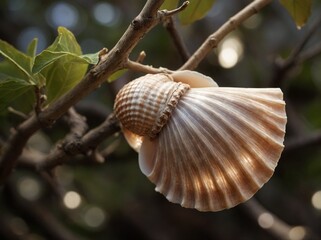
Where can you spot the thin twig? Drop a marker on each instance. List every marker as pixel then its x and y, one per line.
pixel 18 113
pixel 283 67
pixel 87 143
pixel 141 57
pixel 310 53
pixel 169 13
pixel 213 40
pixel 138 67
pixel 177 39
pixel 298 49
pixel 78 127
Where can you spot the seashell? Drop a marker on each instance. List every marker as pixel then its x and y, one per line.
pixel 203 146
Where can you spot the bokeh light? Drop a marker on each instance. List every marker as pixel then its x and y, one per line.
pixel 94 217
pixel 106 14
pixel 62 14
pixel 230 52
pixel 29 188
pixel 316 200
pixel 72 200
pixel 266 220
pixel 297 233
pixel 28 34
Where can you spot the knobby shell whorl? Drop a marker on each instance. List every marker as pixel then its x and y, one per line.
pixel 144 105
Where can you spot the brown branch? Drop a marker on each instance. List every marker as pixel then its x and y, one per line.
pixel 78 127
pixel 141 57
pixel 87 143
pixel 114 60
pixel 298 49
pixel 309 53
pixel 213 40
pixel 169 13
pixel 138 67
pixel 296 57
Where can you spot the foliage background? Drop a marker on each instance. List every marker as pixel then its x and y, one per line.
pixel 117 200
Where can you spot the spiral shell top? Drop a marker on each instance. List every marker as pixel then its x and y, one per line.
pixel 145 104
pixel 204 146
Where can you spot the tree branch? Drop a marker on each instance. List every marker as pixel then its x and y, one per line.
pixel 213 40
pixel 116 57
pixel 178 41
pixel 282 67
pixel 88 142
pixel 138 67
pixel 78 127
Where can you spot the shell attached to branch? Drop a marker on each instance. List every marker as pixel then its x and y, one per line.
pixel 203 146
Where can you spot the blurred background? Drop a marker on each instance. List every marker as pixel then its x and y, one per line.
pixel 114 200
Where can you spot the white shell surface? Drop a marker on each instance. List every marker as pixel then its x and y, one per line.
pixel 219 147
pixel 193 79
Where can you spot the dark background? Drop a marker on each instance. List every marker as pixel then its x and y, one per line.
pixel 116 200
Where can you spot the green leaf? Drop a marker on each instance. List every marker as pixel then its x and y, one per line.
pixel 91 58
pixel 65 42
pixel 196 10
pixel 300 10
pixel 62 64
pixel 62 75
pixel 10 89
pixel 169 4
pixel 47 57
pixel 32 48
pixel 19 60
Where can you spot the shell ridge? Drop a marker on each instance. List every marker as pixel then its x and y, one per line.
pixel 187 199
pixel 236 147
pixel 193 156
pixel 266 97
pixel 246 125
pixel 175 190
pixel 219 169
pixel 261 106
pixel 247 110
pixel 232 177
pixel 263 153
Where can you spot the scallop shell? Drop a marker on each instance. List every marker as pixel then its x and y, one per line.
pixel 219 146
